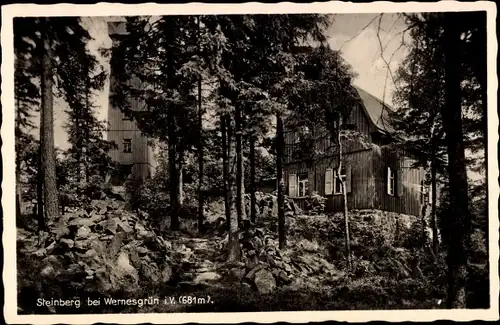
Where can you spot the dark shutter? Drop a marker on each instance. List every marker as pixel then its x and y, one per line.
pixel 386 180
pixel 348 179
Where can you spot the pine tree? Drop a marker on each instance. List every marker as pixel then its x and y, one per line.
pixel 46 44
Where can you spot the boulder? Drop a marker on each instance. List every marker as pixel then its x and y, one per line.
pixel 236 274
pixel 83 232
pixel 264 281
pixel 206 277
pixel 166 273
pixel 67 242
pixel 124 266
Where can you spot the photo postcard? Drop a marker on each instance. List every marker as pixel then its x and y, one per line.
pixel 225 163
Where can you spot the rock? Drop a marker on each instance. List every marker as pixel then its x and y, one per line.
pixel 134 257
pixel 125 227
pixel 150 272
pixel 68 242
pixel 41 252
pixel 51 247
pixel 264 281
pixel 115 245
pixel 206 277
pixel 250 275
pixel 166 273
pixel 141 250
pixel 82 222
pixel 236 274
pixel 81 245
pixel 123 264
pixel 91 253
pixel 48 272
pixel 95 217
pixel 83 232
pixel 100 205
pixel 283 277
pixel 252 262
pixel 112 224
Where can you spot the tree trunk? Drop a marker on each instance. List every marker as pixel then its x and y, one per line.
pixel 239 169
pixel 225 166
pixel 458 220
pixel 280 149
pixel 18 167
pixel 253 199
pixel 180 173
pixel 42 226
pixel 18 190
pixel 86 162
pixel 434 222
pixel 201 218
pixel 347 239
pixel 174 179
pixel 233 240
pixel 48 155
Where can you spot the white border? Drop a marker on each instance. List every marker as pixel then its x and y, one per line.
pixel 117 9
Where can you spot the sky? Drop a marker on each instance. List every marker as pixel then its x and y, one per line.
pixel 354 34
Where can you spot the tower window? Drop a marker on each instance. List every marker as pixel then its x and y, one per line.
pixel 127 145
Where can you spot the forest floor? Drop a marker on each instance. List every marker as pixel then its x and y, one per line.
pixel 107 252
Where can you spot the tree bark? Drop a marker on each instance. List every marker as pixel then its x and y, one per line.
pixel 225 166
pixel 18 166
pixel 174 178
pixel 347 239
pixel 48 155
pixel 240 207
pixel 280 150
pixel 434 222
pixel 201 218
pixel 253 199
pixel 180 172
pixel 42 226
pixel 458 220
pixel 233 240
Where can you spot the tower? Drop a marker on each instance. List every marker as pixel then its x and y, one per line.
pixel 134 154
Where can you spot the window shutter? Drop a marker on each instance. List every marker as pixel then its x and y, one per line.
pixel 292 185
pixel 348 183
pixel 329 181
pixel 399 183
pixel 388 180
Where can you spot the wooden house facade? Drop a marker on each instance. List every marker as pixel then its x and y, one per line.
pixel 135 156
pixel 376 173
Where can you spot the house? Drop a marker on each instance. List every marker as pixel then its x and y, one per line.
pixel 377 174
pixel 134 155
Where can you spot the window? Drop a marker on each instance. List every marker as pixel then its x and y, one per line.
pixel 337 185
pixel 329 181
pixel 303 185
pixel 127 145
pixel 391 181
pixel 292 185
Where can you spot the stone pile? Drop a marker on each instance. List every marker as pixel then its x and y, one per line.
pixel 264 267
pixel 104 245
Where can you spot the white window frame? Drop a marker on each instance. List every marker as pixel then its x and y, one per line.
pixel 305 185
pixel 336 182
pixel 391 181
pixel 292 189
pixel 127 145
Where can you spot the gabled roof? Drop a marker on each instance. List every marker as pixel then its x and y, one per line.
pixel 377 111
